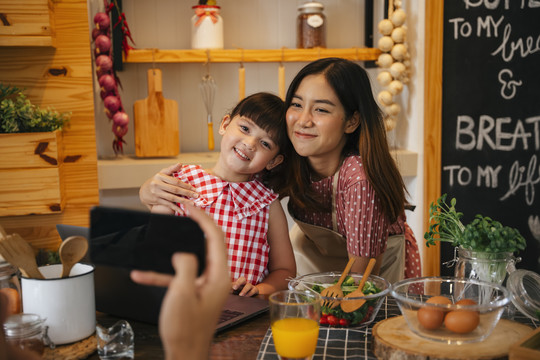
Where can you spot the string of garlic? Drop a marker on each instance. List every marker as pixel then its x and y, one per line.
pixel 394 62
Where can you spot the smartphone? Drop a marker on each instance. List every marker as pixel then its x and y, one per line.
pixel 134 239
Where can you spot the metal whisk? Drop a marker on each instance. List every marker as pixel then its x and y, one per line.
pixel 208 90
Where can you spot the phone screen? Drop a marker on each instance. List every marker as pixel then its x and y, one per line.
pixel 141 240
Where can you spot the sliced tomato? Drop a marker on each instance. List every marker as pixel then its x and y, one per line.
pixel 344 322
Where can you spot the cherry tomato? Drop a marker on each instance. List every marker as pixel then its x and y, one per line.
pixel 344 322
pixel 332 320
pixel 323 320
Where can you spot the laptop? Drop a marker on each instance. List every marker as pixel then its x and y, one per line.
pixel 123 239
pixel 66 231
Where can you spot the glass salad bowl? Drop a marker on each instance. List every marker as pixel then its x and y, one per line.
pixel 375 290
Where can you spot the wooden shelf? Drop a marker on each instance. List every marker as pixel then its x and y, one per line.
pixel 128 171
pixel 27 23
pixel 26 41
pixel 248 55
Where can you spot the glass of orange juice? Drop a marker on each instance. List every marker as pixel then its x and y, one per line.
pixel 294 318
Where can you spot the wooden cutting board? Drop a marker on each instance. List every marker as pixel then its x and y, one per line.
pixel 156 121
pixel 392 339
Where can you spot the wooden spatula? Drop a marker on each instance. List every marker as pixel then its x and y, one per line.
pixel 19 253
pixel 335 290
pixel 349 305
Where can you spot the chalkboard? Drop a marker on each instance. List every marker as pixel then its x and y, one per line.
pixel 490 145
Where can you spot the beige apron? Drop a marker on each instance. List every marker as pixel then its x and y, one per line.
pixel 319 249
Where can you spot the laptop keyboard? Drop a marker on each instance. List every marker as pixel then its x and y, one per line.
pixel 228 315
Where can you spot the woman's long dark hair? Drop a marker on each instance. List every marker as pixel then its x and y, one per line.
pixel 353 88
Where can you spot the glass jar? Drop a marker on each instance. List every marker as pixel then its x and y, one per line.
pixel 206 27
pixel 311 26
pixel 524 286
pixel 10 286
pixel 27 332
pixel 485 266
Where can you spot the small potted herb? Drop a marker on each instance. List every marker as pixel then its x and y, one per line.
pixel 31 149
pixel 485 246
pixel 19 115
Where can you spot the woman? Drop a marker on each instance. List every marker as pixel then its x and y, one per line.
pixel 345 191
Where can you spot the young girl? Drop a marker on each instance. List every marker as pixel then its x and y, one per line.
pixel 260 255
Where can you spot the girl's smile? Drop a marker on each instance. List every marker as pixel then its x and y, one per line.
pixel 246 149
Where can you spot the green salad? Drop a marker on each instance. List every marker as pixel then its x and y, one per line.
pixel 339 318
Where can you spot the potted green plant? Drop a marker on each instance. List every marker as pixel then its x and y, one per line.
pixel 31 162
pixel 485 247
pixel 19 115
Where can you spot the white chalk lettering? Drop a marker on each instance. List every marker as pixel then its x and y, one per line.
pixel 508 48
pixel 521 176
pixel 488 23
pixel 464 29
pixel 490 175
pixel 467 130
pixel 494 4
pixel 501 134
pixel 485 127
pixel 508 87
pixel 485 176
pixel 535 121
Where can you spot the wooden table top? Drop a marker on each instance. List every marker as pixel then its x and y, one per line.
pixel 236 343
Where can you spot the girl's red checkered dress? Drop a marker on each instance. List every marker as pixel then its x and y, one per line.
pixel 242 211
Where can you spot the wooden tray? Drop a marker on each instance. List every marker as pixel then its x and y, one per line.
pixel 392 339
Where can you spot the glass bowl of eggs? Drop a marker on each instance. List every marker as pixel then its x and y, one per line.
pixel 449 309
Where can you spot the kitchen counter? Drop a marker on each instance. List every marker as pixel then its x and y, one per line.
pixel 125 172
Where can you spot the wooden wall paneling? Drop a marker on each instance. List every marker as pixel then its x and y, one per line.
pixel 61 78
pixel 432 123
pixel 27 23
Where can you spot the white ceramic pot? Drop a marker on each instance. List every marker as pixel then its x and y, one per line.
pixel 67 305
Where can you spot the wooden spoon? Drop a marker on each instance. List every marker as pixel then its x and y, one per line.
pixel 71 251
pixel 335 290
pixel 18 252
pixel 351 305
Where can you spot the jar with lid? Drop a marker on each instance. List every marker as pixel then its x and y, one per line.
pixel 10 286
pixel 27 332
pixel 311 26
pixel 486 266
pixel 206 27
pixel 524 287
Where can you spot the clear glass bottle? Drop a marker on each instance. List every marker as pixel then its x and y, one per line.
pixel 27 332
pixel 10 286
pixel 311 26
pixel 206 27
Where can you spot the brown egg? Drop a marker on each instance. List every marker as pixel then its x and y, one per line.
pixel 461 321
pixel 431 318
pixel 466 302
pixel 439 300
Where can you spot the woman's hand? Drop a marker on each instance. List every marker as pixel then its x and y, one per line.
pixel 164 189
pixel 243 288
pixel 192 305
